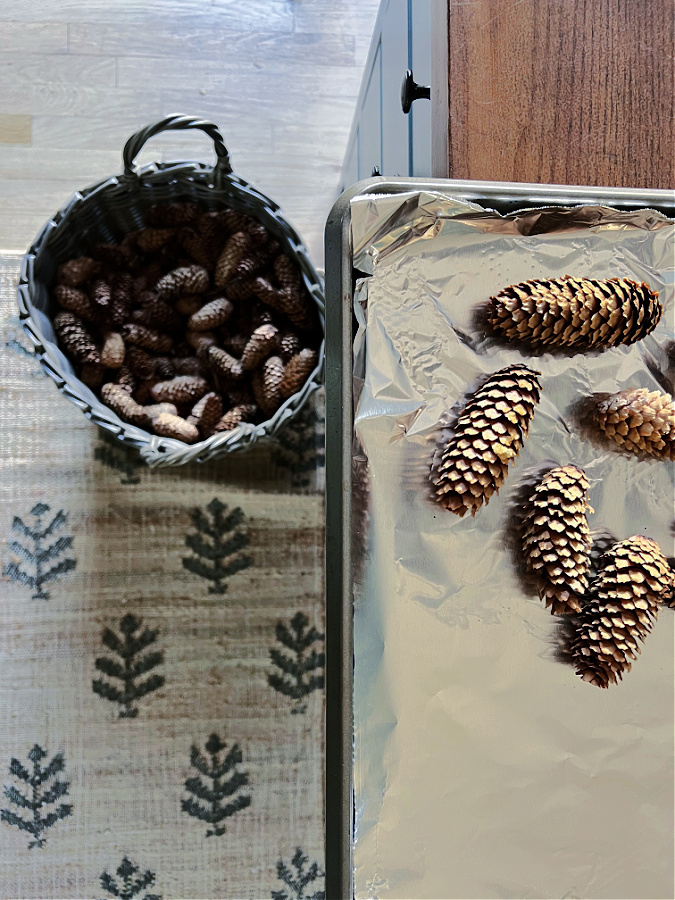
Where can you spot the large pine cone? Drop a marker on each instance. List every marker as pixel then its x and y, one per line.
pixel 640 421
pixel 184 280
pixel 182 389
pixel 297 372
pixel 556 542
pixel 76 271
pixel 76 301
pixel 489 433
pixel 233 253
pixel 575 313
pixel 624 604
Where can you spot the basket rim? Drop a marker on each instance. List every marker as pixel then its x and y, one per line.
pixel 155 450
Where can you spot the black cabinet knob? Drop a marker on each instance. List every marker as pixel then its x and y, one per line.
pixel 411 91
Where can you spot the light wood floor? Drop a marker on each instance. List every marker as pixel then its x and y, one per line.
pixel 78 77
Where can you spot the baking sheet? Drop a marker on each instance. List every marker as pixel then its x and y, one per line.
pixel 483 766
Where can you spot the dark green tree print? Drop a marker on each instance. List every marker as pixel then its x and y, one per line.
pixel 217 545
pixel 218 780
pixel 37 796
pixel 131 882
pixel 297 674
pixel 117 456
pixel 36 555
pixel 300 446
pixel 129 666
pixel 296 883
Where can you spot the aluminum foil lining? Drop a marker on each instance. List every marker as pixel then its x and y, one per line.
pixel 483 766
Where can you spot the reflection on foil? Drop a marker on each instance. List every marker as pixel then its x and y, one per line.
pixel 483 766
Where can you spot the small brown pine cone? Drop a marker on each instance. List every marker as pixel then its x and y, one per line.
pixel 200 248
pixel 488 434
pixel 256 260
pixel 287 273
pixel 166 215
pixel 156 313
pixel 182 389
pixel 207 412
pixel 295 304
pixel 92 374
pixel 289 345
pixel 189 304
pixel 140 363
pixel 624 603
pixel 112 352
pixel 164 368
pixel 76 301
pixel 272 375
pixel 235 416
pixel 297 372
pixel 151 239
pixel 101 294
pixel 126 379
pixel 261 344
pixel 167 425
pixel 201 342
pixel 556 542
pixel 224 364
pixel 211 315
pixel 640 421
pixel 75 338
pixel 76 271
pixel 240 288
pixel 157 409
pixel 189 365
pixel 114 396
pixel 183 280
pixel 147 338
pixel 235 344
pixel 121 299
pixel 266 291
pixel 232 254
pixel 575 313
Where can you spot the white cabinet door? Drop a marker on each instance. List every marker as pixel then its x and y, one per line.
pixel 395 61
pixel 370 121
pixel 420 114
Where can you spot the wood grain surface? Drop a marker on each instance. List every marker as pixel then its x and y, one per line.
pixel 570 92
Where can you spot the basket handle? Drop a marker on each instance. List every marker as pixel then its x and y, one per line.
pixel 177 123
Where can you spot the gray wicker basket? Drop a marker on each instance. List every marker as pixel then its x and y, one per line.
pixel 106 212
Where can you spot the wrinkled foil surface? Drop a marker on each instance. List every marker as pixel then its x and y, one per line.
pixel 483 766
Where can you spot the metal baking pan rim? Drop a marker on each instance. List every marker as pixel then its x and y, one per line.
pixel 504 197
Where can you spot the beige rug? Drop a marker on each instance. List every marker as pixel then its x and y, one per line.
pixel 161 659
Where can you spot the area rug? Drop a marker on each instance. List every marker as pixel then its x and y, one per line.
pixel 161 657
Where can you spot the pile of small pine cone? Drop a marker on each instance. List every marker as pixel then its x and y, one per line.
pixel 613 612
pixel 191 325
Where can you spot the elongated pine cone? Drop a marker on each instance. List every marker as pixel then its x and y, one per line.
pixel 211 315
pixel 184 280
pixel 272 375
pixel 575 313
pixel 233 252
pixel 156 313
pixel 182 389
pixel 147 338
pixel 170 426
pixel 235 416
pixel 101 294
pixel 624 603
pixel 489 433
pixel 77 271
pixel 261 344
pixel 120 401
pixel 76 301
pixel 297 372
pixel 226 365
pixel 207 412
pixel 112 352
pixel 556 541
pixel 75 338
pixel 640 421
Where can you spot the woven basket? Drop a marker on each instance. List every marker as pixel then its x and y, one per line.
pixel 106 212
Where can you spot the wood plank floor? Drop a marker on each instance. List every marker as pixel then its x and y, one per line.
pixel 77 78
